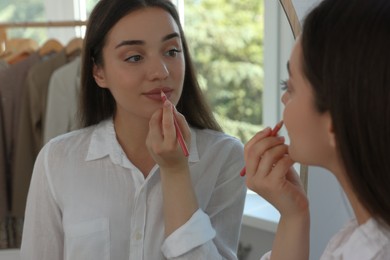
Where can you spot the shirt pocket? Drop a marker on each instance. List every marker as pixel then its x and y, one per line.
pixel 88 240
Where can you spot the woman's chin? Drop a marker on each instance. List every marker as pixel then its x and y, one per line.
pixel 295 155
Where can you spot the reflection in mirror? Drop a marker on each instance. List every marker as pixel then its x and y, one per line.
pixel 228 55
pixel 256 71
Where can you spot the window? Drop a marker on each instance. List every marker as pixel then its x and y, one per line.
pixel 20 11
pixel 238 66
pixel 227 49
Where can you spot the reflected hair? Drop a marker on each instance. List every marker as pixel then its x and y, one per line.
pixel 97 104
pixel 346 59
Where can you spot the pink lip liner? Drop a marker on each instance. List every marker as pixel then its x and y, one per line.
pixel 179 135
pixel 274 132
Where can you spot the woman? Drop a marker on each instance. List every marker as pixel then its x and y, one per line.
pixel 337 111
pixel 121 188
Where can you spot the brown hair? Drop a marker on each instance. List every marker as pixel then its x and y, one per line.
pixel 346 58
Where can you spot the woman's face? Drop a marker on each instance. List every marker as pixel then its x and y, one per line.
pixel 142 56
pixel 310 132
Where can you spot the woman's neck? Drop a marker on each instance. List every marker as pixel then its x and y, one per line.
pixel 131 135
pixel 361 213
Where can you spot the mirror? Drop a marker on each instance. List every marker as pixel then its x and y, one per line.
pixel 293 18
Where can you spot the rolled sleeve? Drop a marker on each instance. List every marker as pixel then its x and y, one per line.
pixel 197 231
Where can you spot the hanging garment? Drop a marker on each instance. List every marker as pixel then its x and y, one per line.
pixel 3 64
pixel 62 101
pixel 3 188
pixel 11 89
pixel 29 136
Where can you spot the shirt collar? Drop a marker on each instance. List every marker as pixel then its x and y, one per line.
pixel 104 143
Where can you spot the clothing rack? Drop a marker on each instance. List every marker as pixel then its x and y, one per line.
pixel 5 26
pixel 11 217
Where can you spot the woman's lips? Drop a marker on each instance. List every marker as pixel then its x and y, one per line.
pixel 155 94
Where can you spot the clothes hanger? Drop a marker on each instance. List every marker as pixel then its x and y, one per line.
pixel 51 45
pixel 73 46
pixel 20 44
pixel 19 48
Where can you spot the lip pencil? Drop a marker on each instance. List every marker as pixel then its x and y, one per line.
pixel 274 132
pixel 179 135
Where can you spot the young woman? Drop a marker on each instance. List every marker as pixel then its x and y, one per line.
pixel 121 188
pixel 337 114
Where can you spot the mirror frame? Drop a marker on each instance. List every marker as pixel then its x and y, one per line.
pixel 295 25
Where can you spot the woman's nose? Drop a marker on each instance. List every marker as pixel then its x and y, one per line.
pixel 158 70
pixel 284 98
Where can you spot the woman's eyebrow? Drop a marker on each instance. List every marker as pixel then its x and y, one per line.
pixel 141 42
pixel 170 36
pixel 130 42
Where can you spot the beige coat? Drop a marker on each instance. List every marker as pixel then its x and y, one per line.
pixel 30 134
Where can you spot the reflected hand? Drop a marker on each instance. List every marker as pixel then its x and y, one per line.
pixel 162 140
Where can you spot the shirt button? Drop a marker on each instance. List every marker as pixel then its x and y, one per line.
pixel 138 236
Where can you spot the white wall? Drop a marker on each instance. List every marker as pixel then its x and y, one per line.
pixel 9 254
pixel 303 6
pixel 258 240
pixel 329 209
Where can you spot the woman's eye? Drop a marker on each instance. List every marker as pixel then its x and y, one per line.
pixel 173 52
pixel 284 85
pixel 134 58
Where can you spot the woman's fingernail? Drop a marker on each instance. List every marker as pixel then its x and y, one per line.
pixel 266 130
pixel 281 138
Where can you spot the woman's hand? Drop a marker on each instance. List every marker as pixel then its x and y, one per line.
pixel 270 174
pixel 179 200
pixel 162 139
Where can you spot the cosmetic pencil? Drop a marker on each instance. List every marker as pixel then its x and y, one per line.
pixel 274 132
pixel 179 135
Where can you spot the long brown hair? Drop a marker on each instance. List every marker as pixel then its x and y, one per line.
pixel 347 61
pixel 97 104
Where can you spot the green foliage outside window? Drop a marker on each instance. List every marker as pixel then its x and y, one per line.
pixel 226 41
pixel 23 11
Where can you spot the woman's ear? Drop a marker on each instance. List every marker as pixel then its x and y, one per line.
pixel 99 76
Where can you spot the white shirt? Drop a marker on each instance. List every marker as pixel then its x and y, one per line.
pixel 369 241
pixel 88 201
